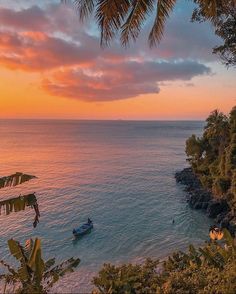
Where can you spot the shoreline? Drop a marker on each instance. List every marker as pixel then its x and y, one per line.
pixel 200 198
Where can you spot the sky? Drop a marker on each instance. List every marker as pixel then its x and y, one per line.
pixel 52 66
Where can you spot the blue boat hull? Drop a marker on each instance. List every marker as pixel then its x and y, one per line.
pixel 82 230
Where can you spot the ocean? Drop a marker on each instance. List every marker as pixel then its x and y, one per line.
pixel 118 173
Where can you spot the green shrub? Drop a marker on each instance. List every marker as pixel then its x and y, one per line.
pixel 207 270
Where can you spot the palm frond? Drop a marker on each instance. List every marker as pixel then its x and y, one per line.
pixel 84 8
pixel 110 15
pixel 131 28
pixel 163 11
pixel 9 268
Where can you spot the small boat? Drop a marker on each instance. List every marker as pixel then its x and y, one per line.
pixel 82 230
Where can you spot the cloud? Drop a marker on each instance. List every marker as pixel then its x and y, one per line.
pixel 33 18
pixel 50 19
pixel 50 40
pixel 120 80
pixel 178 40
pixel 36 51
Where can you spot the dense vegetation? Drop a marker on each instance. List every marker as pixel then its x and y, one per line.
pixel 213 156
pixel 211 269
pixel 224 24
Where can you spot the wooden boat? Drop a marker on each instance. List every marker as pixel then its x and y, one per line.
pixel 84 229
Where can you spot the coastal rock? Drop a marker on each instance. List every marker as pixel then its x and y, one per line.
pixel 187 177
pixel 232 228
pixel 222 218
pixel 198 198
pixel 227 220
pixel 217 207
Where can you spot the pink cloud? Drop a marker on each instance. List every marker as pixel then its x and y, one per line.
pixel 107 82
pixel 36 51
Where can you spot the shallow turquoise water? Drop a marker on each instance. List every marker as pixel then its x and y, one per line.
pixel 119 173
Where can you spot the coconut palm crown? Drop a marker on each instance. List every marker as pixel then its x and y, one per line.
pixel 126 17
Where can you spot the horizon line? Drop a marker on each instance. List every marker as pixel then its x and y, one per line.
pixel 92 119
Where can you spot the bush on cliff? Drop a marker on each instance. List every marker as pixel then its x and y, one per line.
pixel 213 156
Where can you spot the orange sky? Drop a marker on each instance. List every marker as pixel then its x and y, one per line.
pixel 22 97
pixel 70 76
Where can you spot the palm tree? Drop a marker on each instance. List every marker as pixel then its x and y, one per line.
pixel 126 17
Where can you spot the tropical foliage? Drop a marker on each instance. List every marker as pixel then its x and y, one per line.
pixel 14 180
pixel 34 275
pixel 17 204
pixel 213 156
pixel 225 27
pixel 126 18
pixel 211 269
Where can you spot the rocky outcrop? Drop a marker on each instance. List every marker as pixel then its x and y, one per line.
pixel 217 208
pixel 200 198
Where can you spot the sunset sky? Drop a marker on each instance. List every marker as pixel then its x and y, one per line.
pixel 52 66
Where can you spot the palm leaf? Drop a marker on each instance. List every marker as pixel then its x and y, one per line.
pixel 49 263
pixel 17 204
pixel 9 268
pixel 84 8
pixel 17 251
pixel 33 254
pixel 39 268
pixel 131 28
pixel 110 15
pixel 60 270
pixel 163 10
pixel 29 244
pixel 15 179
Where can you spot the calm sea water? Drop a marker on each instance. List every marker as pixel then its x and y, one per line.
pixel 119 173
